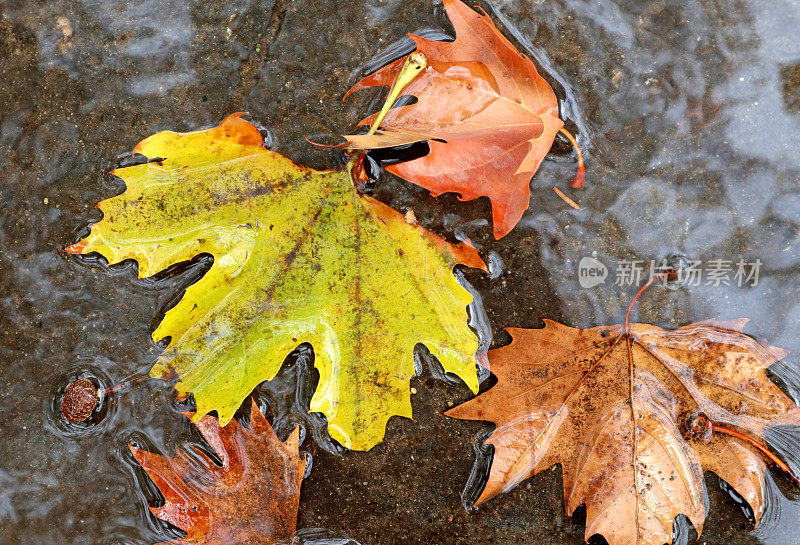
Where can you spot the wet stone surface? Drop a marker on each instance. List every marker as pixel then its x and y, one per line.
pixel 689 114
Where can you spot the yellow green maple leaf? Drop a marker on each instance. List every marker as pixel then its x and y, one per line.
pixel 299 256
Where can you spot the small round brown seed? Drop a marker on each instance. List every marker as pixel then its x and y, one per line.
pixel 79 401
pixel 697 426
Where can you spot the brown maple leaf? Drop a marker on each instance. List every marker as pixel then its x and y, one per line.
pixel 488 116
pixel 633 419
pixel 252 499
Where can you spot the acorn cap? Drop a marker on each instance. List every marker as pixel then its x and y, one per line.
pixel 79 401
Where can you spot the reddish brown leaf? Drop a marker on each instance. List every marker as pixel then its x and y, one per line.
pixel 620 413
pixel 252 499
pixel 487 114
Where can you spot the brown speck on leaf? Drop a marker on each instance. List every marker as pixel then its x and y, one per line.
pixel 79 401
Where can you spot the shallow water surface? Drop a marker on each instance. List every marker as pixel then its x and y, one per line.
pixel 689 114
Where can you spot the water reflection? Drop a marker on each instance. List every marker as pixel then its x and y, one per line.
pixel 150 40
pixel 694 151
pixel 760 120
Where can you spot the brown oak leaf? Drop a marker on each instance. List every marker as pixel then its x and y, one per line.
pixel 252 499
pixel 488 116
pixel 634 420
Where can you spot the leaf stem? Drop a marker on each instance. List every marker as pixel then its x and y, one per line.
pixel 579 182
pixel 758 446
pixel 124 383
pixel 566 199
pixel 414 65
pixel 655 278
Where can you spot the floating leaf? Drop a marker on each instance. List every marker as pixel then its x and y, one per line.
pixel 252 498
pixel 488 116
pixel 633 419
pixel 299 256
